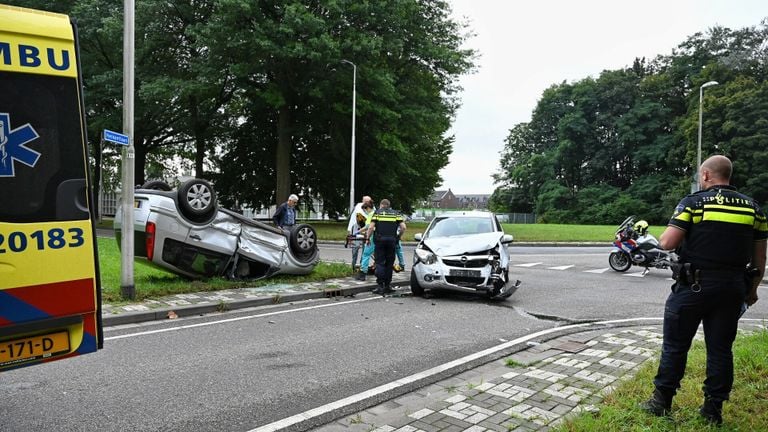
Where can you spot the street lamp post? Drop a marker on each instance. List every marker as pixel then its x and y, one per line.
pixel 698 154
pixel 352 157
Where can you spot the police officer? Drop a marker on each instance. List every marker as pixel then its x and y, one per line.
pixel 718 232
pixel 385 222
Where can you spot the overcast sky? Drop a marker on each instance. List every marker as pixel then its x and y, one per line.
pixel 526 46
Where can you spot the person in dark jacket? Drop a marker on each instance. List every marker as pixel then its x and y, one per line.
pixel 387 225
pixel 718 232
pixel 285 215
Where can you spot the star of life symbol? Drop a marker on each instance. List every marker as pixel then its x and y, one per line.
pixel 13 146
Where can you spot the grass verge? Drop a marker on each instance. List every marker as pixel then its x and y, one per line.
pixel 746 411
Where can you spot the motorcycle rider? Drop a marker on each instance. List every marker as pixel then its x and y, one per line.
pixel 641 228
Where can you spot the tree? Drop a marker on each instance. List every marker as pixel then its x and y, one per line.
pixel 294 98
pixel 626 142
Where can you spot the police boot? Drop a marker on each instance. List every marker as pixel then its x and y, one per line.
pixel 360 276
pixel 379 289
pixel 388 289
pixel 660 403
pixel 712 411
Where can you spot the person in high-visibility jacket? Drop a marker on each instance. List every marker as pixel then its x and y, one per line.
pixel 718 232
pixel 388 226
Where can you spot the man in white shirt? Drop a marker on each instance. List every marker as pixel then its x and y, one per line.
pixel 358 210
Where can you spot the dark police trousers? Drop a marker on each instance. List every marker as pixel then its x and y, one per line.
pixel 385 258
pixel 717 304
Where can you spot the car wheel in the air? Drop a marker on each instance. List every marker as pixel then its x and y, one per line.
pixel 416 288
pixel 156 185
pixel 303 240
pixel 197 200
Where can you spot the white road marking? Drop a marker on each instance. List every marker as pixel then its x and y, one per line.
pixel 565 267
pixel 638 274
pixel 528 264
pixel 315 412
pixel 229 320
pixel 598 271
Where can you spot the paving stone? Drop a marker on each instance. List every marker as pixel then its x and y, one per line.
pixel 384 407
pixel 434 417
pixel 421 414
pixel 494 427
pixel 425 426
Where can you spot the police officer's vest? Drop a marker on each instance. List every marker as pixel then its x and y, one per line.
pixel 721 227
pixel 387 222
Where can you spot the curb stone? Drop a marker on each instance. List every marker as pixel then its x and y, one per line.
pixel 184 305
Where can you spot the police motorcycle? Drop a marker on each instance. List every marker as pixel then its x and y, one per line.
pixel 634 245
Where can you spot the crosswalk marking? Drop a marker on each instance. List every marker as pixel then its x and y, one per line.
pixel 598 271
pixel 638 274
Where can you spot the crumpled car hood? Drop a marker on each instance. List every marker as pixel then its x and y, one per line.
pixel 459 245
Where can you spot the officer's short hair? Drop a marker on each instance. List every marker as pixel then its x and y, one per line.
pixel 384 203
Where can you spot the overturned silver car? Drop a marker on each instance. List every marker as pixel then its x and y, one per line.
pixel 184 231
pixel 465 252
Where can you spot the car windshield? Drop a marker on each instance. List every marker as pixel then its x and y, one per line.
pixel 448 226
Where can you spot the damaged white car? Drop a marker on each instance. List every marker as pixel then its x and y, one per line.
pixel 465 252
pixel 184 231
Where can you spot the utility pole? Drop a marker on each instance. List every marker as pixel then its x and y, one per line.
pixel 127 287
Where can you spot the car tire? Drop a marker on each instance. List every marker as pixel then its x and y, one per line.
pixel 197 200
pixel 156 185
pixel 303 240
pixel 416 288
pixel 619 261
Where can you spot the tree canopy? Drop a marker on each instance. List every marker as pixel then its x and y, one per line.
pixel 253 94
pixel 599 149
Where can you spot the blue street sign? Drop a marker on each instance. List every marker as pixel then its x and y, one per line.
pixel 115 137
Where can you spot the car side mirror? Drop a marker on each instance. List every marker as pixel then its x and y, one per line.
pixel 506 239
pixel 417 236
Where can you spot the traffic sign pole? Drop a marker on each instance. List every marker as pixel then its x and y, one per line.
pixel 127 287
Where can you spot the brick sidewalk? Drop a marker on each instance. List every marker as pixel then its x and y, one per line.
pixel 531 390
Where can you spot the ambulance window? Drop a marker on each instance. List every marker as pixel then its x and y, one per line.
pixel 49 107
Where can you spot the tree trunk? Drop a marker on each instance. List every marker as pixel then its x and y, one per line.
pixel 283 159
pixel 140 162
pixel 199 131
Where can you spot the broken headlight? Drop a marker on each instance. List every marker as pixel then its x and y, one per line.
pixel 426 256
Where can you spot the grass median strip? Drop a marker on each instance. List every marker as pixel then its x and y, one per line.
pixel 744 412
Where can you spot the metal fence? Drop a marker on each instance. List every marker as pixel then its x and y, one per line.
pixel 110 201
pixel 517 218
